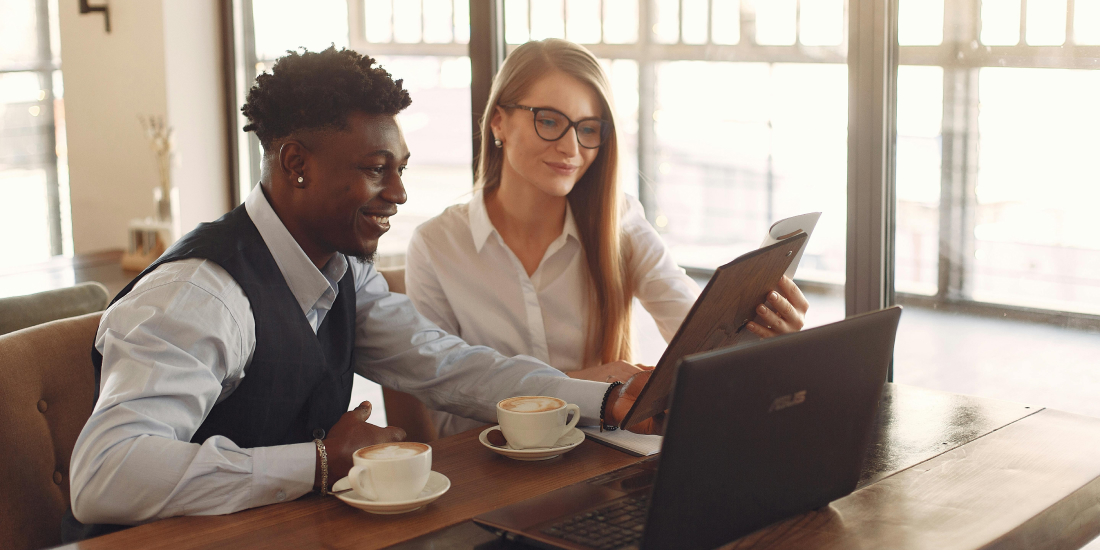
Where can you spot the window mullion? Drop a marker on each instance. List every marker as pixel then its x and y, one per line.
pixel 872 136
pixel 487 50
pixel 49 137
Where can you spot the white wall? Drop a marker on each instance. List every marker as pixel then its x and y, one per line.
pixel 161 58
pixel 193 57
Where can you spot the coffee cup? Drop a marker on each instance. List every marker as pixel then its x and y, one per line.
pixel 390 472
pixel 532 421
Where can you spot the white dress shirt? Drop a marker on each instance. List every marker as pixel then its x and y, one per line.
pixel 462 276
pixel 182 341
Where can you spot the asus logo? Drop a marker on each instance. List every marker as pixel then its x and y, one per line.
pixel 784 401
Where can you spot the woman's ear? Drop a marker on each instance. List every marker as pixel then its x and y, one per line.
pixel 496 123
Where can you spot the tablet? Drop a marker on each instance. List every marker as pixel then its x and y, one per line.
pixel 718 318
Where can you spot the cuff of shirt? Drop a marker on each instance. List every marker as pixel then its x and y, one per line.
pixel 587 395
pixel 283 473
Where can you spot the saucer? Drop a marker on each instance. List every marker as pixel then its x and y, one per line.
pixel 566 443
pixel 437 485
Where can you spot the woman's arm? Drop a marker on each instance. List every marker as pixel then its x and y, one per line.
pixel 423 287
pixel 668 293
pixel 662 286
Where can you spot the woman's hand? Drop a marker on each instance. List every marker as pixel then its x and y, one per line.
pixel 619 371
pixel 784 311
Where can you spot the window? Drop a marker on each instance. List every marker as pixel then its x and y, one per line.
pixel 33 172
pixel 422 43
pixel 996 191
pixel 769 79
pixel 735 113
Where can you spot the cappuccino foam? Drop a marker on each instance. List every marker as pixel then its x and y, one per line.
pixel 532 404
pixel 389 451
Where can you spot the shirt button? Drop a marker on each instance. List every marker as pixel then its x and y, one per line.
pixel 280 496
pixel 318 433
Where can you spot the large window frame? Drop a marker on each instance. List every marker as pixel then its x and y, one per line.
pixel 45 66
pixel 872 55
pixel 962 27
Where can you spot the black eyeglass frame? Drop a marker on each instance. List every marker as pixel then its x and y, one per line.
pixel 605 125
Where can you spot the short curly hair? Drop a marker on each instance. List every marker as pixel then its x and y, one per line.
pixel 319 90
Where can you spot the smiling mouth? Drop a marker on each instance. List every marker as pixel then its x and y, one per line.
pixel 381 221
pixel 562 167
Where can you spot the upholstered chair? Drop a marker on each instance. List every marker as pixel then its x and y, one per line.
pixel 20 312
pixel 45 398
pixel 402 409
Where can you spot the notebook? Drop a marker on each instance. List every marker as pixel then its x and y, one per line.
pixel 718 317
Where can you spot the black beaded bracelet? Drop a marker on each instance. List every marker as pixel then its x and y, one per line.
pixel 603 408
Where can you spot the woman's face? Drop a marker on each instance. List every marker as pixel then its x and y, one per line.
pixel 549 167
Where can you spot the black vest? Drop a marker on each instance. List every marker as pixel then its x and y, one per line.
pixel 298 381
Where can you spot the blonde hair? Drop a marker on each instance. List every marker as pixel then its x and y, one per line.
pixel 594 199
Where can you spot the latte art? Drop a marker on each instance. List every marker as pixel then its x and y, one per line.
pixel 387 451
pixel 532 404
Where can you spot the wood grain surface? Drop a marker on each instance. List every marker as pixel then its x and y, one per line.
pixel 1007 477
pixel 481 481
pixel 1032 484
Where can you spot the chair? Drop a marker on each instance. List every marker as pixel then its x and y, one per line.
pixel 19 312
pixel 45 399
pixel 402 409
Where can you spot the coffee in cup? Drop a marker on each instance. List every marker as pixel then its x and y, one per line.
pixel 533 421
pixel 390 472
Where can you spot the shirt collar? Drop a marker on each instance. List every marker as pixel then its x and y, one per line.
pixel 481 226
pixel 312 288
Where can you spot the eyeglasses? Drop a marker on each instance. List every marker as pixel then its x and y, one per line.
pixel 551 125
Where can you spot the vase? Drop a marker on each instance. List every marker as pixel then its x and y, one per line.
pixel 162 205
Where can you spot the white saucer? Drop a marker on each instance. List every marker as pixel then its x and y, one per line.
pixel 566 443
pixel 437 485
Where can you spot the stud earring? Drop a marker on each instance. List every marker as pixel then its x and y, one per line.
pixel 301 179
pixel 498 143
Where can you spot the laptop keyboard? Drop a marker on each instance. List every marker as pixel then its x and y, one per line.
pixel 616 525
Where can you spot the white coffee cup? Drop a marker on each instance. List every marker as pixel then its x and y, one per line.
pixel 390 472
pixel 531 421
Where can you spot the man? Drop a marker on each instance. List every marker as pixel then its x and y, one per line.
pixel 224 370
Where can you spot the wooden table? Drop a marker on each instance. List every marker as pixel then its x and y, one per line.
pixel 944 471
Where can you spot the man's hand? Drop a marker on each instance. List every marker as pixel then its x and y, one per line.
pixel 619 371
pixel 623 397
pixel 784 312
pixel 351 433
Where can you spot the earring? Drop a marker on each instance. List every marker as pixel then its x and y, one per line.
pixel 498 143
pixel 301 179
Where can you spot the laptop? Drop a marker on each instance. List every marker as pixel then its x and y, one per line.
pixel 755 434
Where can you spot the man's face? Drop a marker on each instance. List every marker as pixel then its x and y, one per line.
pixel 356 185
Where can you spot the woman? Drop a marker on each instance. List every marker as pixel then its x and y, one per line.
pixel 547 257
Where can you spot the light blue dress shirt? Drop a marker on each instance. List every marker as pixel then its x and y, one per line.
pixel 182 341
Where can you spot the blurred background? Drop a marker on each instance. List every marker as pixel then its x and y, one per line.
pixel 732 115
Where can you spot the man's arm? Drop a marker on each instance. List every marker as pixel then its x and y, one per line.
pixel 171 349
pixel 398 348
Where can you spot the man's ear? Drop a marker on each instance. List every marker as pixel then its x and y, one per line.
pixel 293 160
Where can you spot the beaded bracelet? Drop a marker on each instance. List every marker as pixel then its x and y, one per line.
pixel 324 465
pixel 603 408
